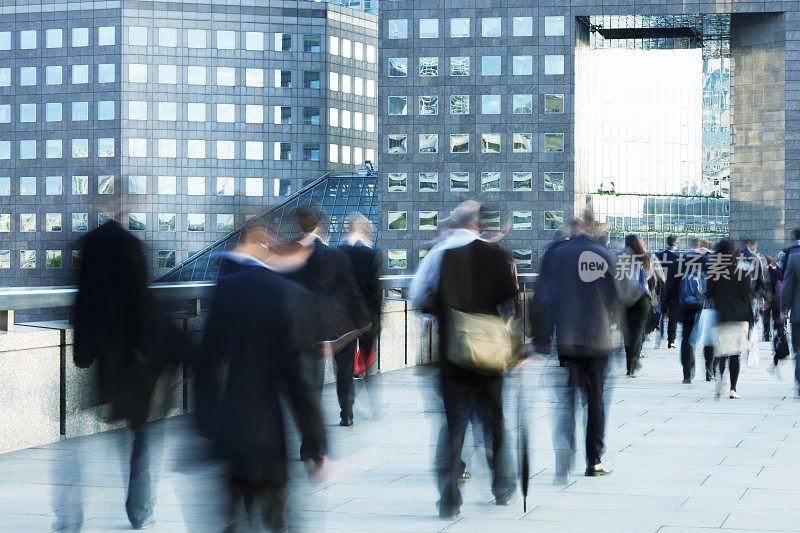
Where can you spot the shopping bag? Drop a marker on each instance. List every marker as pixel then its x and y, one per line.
pixel 363 360
pixel 753 356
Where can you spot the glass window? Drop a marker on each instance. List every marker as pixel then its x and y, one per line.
pixel 398 259
pixel 428 143
pixel 459 66
pixel 554 65
pixel 254 114
pixel 397 220
pixel 311 79
pixel 397 143
pixel 398 29
pixel 523 142
pixel 105 110
pixel 80 185
pixel 167 111
pixel 554 103
pixel 459 104
pixel 226 40
pixel 398 67
pixel 490 143
pixel 428 28
pixel 283 115
pixel 167 148
pixel 523 65
pixel 167 185
pixel 370 88
pixel 80 74
pixel 345 118
pixel 27 76
pixel 523 26
pixel 5 255
pixel 311 116
pixel 490 104
pixel 27 112
pixel 490 65
pixel 346 79
pixel 491 27
pixel 372 53
pixel 254 150
pixel 428 182
pixel 5 149
pixel 490 181
pixel 137 36
pixel 52 185
pixel 358 51
pixel 106 36
pixel 310 152
pixel 282 151
pixel 459 143
pixel 333 45
pixel 27 186
pixel 53 75
pixel 5 40
pixel 311 43
pixel 80 221
pixel 226 76
pixel 224 186
pixel 333 81
pixel 522 220
pixel 226 149
pixel 196 185
pixel 106 73
pixel 254 77
pixel 196 75
pixel 459 27
pixel 166 221
pixel 554 26
pixel 27 39
pixel 522 258
pixel 254 41
pixel 225 222
pixel 428 105
pixel 167 74
pixel 27 149
pixel 27 259
pixel 553 219
pixel 459 181
pixel 54 38
pixel 80 37
pixel 253 187
pixel 428 66
pixel 397 181
pixel 196 112
pixel 196 38
pixel 196 221
pixel 5 77
pixel 53 222
pixel 5 227
pixel 166 258
pixel 283 42
pixel 5 113
pixel 137 221
pixel 105 147
pixel 523 181
pixel 553 142
pixel 226 113
pixel 80 148
pixel 398 105
pixel 105 184
pixel 52 148
pixel 136 110
pixel 490 220
pixel 137 147
pixel 522 104
pixel 283 78
pixel 428 220
pixel 168 37
pixel 137 184
pixel 553 181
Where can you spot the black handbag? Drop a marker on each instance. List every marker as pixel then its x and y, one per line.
pixel 781 345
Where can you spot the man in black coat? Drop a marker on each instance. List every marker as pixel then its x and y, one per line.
pixel 260 326
pixel 669 298
pixel 580 296
pixel 118 326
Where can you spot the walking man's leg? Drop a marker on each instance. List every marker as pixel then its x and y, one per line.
pixel 345 389
pixel 503 478
pixel 672 324
pixel 139 504
pixel 796 350
pixel 454 395
pixel 687 350
pixel 564 436
pixel 596 415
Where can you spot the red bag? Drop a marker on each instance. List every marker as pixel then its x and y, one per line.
pixel 363 361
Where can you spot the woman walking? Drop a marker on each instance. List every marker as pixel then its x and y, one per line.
pixel 729 291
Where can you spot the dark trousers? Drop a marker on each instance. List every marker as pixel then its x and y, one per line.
pixel 345 388
pixel 588 375
pixel 139 504
pixel 687 351
pixel 636 317
pixel 796 350
pixel 772 318
pixel 268 502
pixel 481 396
pixel 669 314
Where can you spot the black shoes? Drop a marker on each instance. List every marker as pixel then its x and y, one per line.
pixel 687 381
pixel 346 421
pixel 670 345
pixel 504 499
pixel 448 511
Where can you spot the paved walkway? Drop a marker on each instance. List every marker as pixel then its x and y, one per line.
pixel 684 461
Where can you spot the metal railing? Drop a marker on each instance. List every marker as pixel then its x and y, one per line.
pixel 192 292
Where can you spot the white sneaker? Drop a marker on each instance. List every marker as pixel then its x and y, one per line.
pixel 734 395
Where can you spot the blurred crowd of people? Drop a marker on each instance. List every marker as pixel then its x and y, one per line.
pixel 288 307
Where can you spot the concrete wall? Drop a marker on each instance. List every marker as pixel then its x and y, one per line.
pixel 44 397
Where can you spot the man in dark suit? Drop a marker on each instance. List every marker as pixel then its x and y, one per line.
pixel 260 327
pixel 118 326
pixel 669 298
pixel 579 293
pixel 790 298
pixel 474 277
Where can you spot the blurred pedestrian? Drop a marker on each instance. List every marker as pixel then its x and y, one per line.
pixel 260 329
pixel 470 286
pixel 120 330
pixel 790 299
pixel 729 290
pixel 669 299
pixel 638 281
pixel 691 301
pixel 579 292
pixel 771 308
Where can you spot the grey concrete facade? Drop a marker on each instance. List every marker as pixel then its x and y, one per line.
pixel 205 114
pixel 765 172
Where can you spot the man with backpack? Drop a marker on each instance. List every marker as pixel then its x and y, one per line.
pixel 790 298
pixel 690 304
pixel 670 296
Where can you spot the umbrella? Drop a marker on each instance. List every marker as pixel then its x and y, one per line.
pixel 524 466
